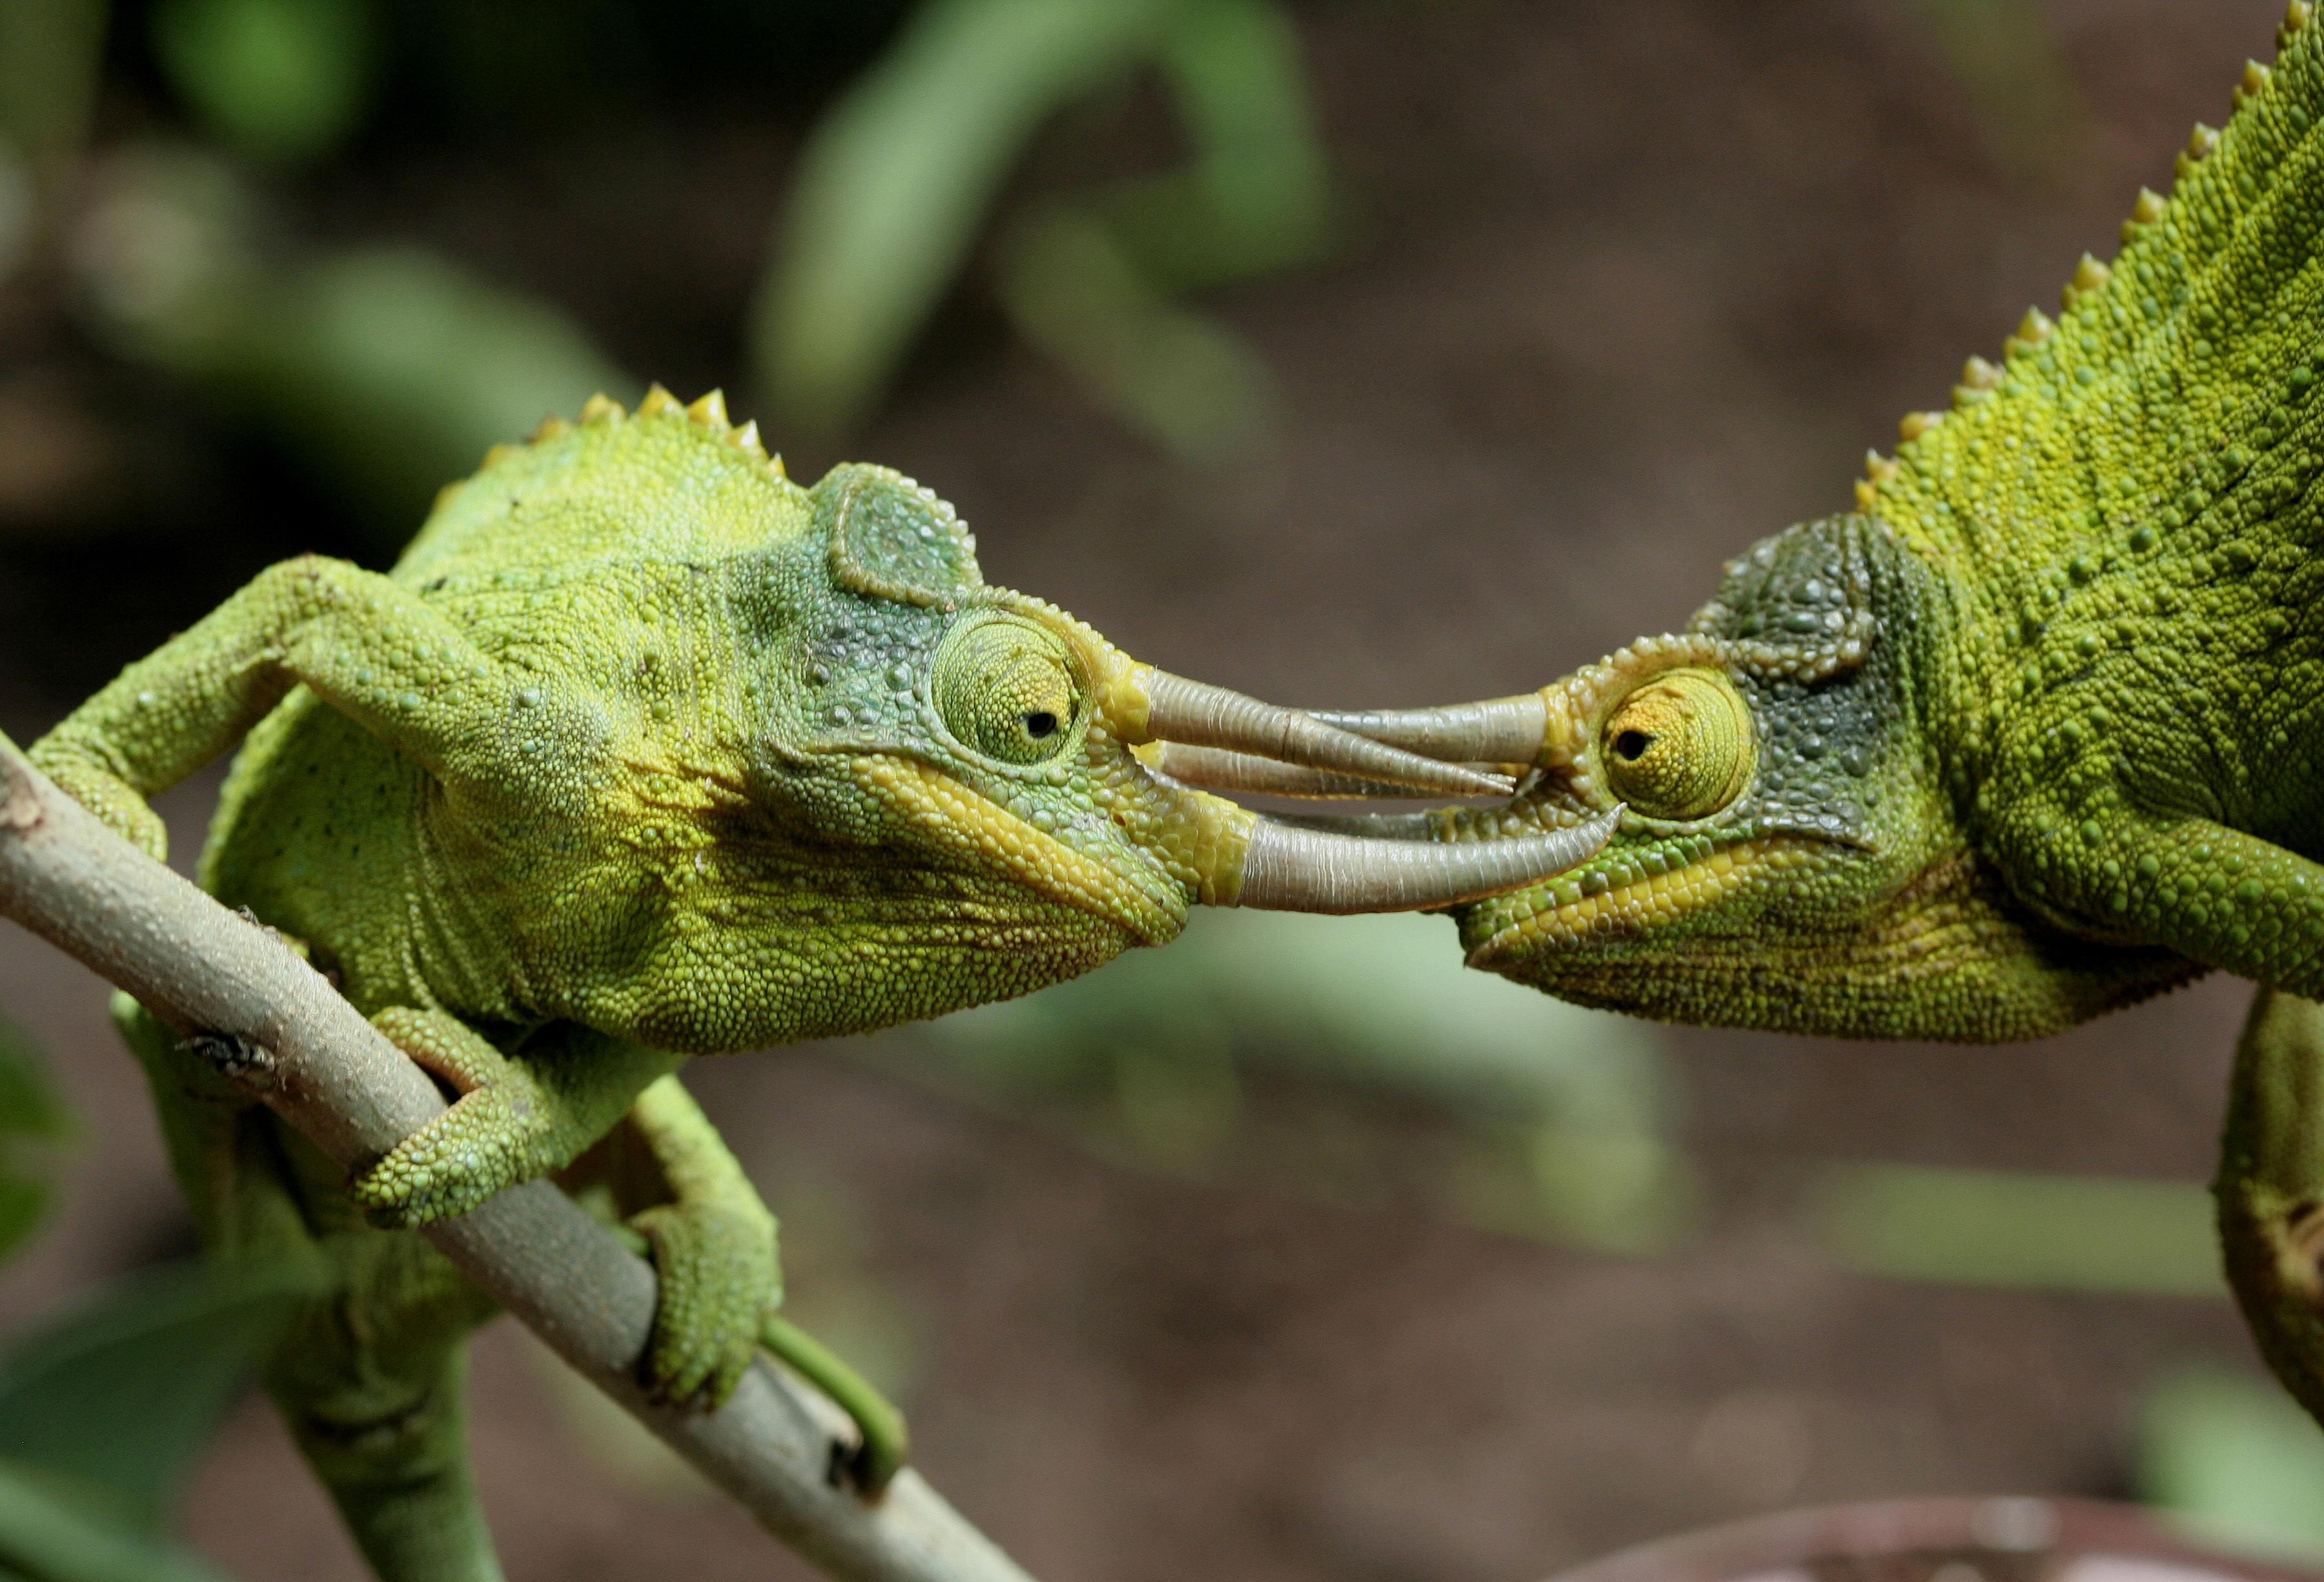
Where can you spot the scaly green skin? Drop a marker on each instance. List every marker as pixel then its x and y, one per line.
pixel 642 751
pixel 2037 733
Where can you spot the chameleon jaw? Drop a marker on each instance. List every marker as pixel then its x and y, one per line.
pixel 1634 901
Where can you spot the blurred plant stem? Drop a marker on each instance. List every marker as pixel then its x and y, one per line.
pixel 895 184
pixel 387 370
pixel 49 55
pixel 2010 1227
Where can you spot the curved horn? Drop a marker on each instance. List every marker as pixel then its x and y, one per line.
pixel 1202 716
pixel 1216 769
pixel 1504 730
pixel 1289 868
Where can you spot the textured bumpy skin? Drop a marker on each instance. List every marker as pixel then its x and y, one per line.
pixel 2039 730
pixel 2036 732
pixel 642 751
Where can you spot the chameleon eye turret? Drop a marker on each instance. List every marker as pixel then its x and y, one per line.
pixel 1009 690
pixel 1679 746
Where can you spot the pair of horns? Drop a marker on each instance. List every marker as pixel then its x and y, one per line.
pixel 1453 751
pixel 1211 737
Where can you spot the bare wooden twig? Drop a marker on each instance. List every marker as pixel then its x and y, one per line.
pixel 323 1067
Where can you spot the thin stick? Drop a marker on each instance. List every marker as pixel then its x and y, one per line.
pixel 322 1067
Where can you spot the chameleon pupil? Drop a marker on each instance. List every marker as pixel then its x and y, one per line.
pixel 1040 723
pixel 1631 745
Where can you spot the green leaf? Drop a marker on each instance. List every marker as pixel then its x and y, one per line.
pixel 119 1394
pixel 47 1534
pixel 387 370
pixel 283 80
pixel 2235 1461
pixel 30 1113
pixel 2006 1227
pixel 1185 379
pixel 895 180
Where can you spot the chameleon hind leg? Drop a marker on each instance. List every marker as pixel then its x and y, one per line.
pixel 2271 1188
pixel 368 1375
pixel 666 1176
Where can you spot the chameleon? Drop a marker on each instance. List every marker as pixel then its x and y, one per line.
pixel 2034 732
pixel 644 751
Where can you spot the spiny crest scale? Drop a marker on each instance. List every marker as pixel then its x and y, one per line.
pixel 2138 322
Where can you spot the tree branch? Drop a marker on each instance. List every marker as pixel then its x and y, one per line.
pixel 321 1066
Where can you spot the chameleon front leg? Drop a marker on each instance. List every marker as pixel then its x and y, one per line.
pixel 369 646
pixel 516 1116
pixel 2271 1188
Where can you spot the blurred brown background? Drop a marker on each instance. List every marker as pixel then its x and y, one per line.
pixel 1614 291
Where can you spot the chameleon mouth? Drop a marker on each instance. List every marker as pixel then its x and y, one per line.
pixel 1624 899
pixel 1152 913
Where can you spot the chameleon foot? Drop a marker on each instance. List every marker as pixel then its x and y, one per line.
pixel 720 1282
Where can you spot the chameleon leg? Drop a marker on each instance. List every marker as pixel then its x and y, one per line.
pixel 668 1176
pixel 370 647
pixel 517 1116
pixel 368 1375
pixel 714 1249
pixel 2271 1188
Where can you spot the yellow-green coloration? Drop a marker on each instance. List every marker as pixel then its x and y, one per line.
pixel 1680 747
pixel 2035 732
pixel 2038 731
pixel 642 751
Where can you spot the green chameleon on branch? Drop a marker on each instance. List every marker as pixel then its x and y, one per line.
pixel 645 751
pixel 2035 732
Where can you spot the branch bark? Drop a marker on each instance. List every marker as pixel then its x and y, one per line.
pixel 323 1067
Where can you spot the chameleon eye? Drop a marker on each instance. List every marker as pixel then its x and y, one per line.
pixel 1680 747
pixel 1007 689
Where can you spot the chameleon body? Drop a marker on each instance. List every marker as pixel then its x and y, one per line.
pixel 645 751
pixel 2035 732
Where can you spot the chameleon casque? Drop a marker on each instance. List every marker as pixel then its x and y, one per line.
pixel 2035 732
pixel 645 751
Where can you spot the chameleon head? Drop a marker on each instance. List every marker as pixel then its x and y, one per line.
pixel 1795 854
pixel 1020 793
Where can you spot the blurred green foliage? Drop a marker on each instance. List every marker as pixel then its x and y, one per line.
pixel 1557 1118
pixel 105 1405
pixel 895 184
pixel 115 1395
pixel 32 1125
pixel 105 1408
pixel 2009 1227
pixel 385 371
pixel 2236 1463
pixel 278 81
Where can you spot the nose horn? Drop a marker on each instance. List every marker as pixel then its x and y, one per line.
pixel 1292 868
pixel 1501 730
pixel 1199 715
